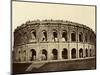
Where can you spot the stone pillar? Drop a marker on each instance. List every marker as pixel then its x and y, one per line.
pixel 84 53
pixel 22 53
pixel 77 42
pixel 59 54
pixel 77 53
pixel 49 55
pixel 15 55
pixel 49 52
pixel 28 54
pixel 69 53
pixel 88 52
pixel 92 52
pixel 38 54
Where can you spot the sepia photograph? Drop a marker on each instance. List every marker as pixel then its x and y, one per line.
pixel 52 37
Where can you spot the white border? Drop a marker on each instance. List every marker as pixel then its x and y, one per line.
pixel 5 28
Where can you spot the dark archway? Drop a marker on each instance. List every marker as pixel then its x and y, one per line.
pixel 81 53
pixel 80 37
pixel 73 36
pixel 44 35
pixel 55 35
pixel 64 53
pixel 33 34
pixel 90 52
pixel 55 54
pixel 44 52
pixel 86 52
pixel 33 56
pixel 64 35
pixel 73 53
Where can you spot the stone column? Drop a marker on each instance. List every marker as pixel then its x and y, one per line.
pixel 38 54
pixel 49 55
pixel 15 55
pixel 28 54
pixel 69 53
pixel 77 42
pixel 49 52
pixel 77 53
pixel 84 52
pixel 88 52
pixel 59 54
pixel 89 47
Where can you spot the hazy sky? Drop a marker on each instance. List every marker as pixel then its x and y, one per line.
pixel 24 11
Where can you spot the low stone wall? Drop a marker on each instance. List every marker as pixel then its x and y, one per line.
pixel 81 64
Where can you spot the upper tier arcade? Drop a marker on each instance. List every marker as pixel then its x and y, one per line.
pixel 53 31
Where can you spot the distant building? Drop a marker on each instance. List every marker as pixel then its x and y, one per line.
pixel 53 40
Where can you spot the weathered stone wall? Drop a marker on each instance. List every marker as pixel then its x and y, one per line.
pixel 24 41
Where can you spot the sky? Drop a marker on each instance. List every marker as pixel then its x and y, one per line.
pixel 25 11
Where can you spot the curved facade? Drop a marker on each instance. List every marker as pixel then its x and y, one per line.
pixel 53 40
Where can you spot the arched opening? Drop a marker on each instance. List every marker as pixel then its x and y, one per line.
pixel 44 54
pixel 64 53
pixel 64 35
pixel 33 34
pixel 90 52
pixel 18 39
pixel 73 36
pixel 80 37
pixel 55 35
pixel 33 56
pixel 73 53
pixel 55 54
pixel 44 35
pixel 81 53
pixel 86 52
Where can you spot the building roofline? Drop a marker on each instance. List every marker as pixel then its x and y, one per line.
pixel 50 21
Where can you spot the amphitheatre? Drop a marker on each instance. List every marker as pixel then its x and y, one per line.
pixel 53 41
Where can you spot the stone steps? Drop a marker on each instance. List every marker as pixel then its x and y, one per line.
pixel 35 65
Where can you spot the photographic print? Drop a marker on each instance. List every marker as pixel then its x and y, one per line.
pixel 52 37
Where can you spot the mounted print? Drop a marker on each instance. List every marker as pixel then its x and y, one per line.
pixel 52 37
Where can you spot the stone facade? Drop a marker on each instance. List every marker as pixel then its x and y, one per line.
pixel 53 40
